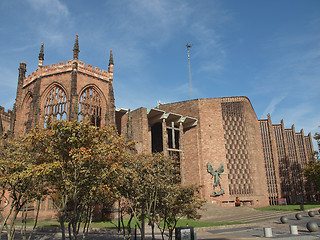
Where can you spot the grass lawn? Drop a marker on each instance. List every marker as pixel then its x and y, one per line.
pixel 289 207
pixel 194 223
pixel 181 223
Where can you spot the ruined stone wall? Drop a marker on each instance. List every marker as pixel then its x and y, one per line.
pixel 135 127
pixel 5 120
pixel 72 85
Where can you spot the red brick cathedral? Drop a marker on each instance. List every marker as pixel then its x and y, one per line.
pixel 220 142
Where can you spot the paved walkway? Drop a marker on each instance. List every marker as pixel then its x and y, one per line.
pixel 255 222
pixel 215 213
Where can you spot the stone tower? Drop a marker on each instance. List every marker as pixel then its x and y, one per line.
pixel 69 90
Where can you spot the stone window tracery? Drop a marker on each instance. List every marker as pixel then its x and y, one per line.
pixel 56 104
pixel 90 106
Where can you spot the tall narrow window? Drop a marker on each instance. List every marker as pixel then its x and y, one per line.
pixel 26 112
pixel 90 107
pixel 174 143
pixel 56 104
pixel 156 138
pixel 173 136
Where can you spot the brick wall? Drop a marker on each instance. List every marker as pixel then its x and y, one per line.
pixel 207 143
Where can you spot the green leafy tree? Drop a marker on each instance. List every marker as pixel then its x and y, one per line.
pixel 151 186
pixel 177 202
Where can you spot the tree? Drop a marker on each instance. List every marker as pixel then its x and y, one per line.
pixel 312 170
pixel 21 182
pixel 317 138
pixel 175 203
pixel 152 190
pixel 80 166
pixel 82 163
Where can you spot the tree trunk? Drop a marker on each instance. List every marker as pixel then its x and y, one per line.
pixel 36 219
pixel 129 227
pixel 5 220
pixel 12 230
pixel 70 232
pixel 152 231
pixel 61 221
pixel 24 223
pixel 142 230
pixel 62 213
pixel 75 214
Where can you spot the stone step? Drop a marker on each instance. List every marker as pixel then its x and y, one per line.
pixel 215 213
pixel 258 216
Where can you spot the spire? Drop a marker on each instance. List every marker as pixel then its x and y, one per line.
pixel 111 58
pixel 41 56
pixel 76 49
pixel 111 62
pixel 22 71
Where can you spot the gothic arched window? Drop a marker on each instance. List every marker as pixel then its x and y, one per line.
pixel 90 106
pixel 27 106
pixel 56 104
pixel 26 112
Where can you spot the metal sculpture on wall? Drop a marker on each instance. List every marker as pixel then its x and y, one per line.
pixel 216 175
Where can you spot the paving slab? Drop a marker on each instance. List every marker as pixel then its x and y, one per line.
pixel 256 230
pixel 253 228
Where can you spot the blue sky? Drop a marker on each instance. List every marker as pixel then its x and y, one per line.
pixel 268 51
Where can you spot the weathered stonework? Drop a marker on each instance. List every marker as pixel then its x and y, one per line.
pixel 73 82
pixel 5 121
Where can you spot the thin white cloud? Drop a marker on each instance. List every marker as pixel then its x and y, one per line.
pixel 293 77
pixel 8 78
pixel 155 25
pixel 208 37
pixel 52 7
pixel 302 116
pixel 211 66
pixel 159 20
pixel 272 105
pixel 50 20
pixel 8 104
pixel 298 54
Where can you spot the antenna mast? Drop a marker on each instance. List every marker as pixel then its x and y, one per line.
pixel 190 77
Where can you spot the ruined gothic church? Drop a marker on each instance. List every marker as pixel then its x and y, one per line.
pixel 258 161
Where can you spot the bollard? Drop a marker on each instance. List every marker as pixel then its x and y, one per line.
pixel 294 229
pixel 267 232
pixel 298 216
pixel 311 213
pixel 312 226
pixel 284 219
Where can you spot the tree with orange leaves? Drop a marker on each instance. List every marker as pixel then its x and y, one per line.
pixel 21 183
pixel 82 162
